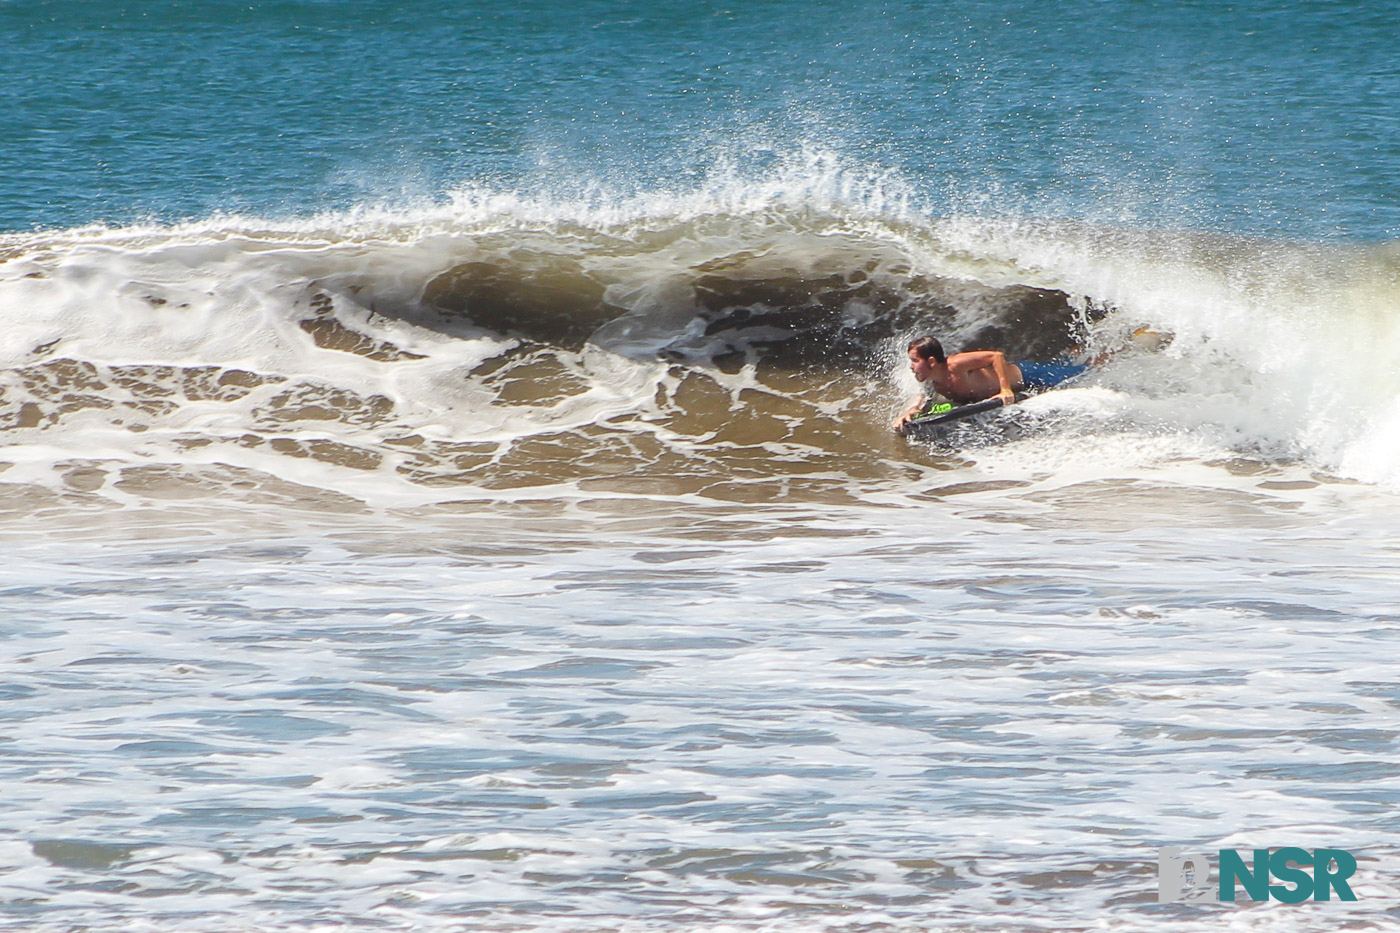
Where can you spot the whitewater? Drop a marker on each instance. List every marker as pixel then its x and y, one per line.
pixel 431 349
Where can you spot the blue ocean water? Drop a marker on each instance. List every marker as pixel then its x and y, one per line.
pixel 1250 117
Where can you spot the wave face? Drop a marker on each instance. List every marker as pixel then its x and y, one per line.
pixel 734 347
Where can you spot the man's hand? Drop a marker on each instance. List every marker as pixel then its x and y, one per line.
pixel 909 414
pixel 1007 396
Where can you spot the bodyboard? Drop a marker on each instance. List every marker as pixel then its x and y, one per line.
pixel 947 414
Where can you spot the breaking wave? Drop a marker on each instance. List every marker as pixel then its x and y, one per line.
pixel 744 345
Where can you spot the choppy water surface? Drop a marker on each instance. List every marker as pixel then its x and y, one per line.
pixel 962 709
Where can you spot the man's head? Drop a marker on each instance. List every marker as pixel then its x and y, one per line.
pixel 925 356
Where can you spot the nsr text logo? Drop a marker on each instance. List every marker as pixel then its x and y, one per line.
pixel 1187 877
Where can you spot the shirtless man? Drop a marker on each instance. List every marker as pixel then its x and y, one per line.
pixel 964 378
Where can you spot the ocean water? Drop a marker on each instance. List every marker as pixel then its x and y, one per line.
pixel 447 481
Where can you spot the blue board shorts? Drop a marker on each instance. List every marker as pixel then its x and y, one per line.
pixel 1049 375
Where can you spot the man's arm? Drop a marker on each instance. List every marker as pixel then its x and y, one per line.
pixel 910 413
pixel 994 360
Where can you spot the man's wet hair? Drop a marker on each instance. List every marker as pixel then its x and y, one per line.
pixel 928 347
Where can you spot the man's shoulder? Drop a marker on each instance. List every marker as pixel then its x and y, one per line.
pixel 971 357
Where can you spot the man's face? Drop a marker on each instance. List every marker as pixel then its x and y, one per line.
pixel 920 367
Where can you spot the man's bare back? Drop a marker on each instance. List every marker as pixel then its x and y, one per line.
pixel 975 376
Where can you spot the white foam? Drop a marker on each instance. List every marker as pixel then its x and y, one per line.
pixel 1280 351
